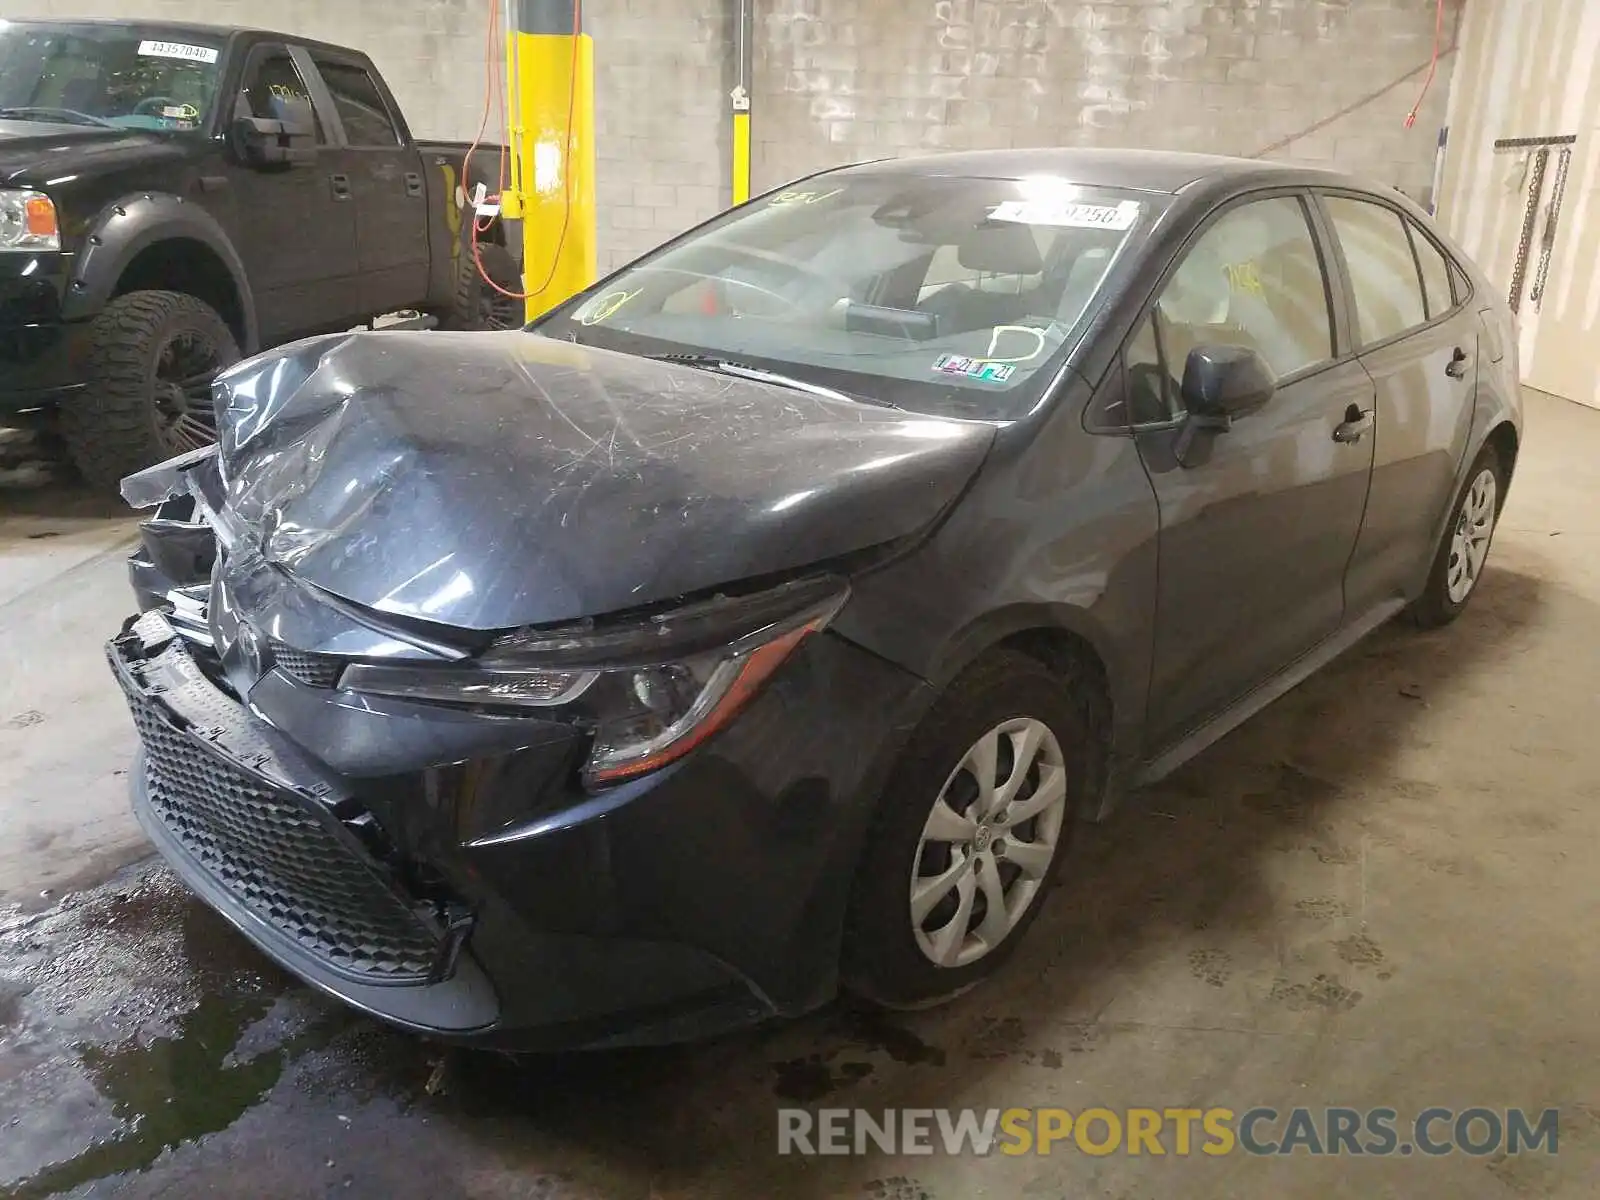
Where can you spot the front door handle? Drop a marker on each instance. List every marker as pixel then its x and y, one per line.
pixel 1456 368
pixel 1357 421
pixel 413 184
pixel 340 185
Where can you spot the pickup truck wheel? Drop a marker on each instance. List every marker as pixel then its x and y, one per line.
pixel 479 306
pixel 152 358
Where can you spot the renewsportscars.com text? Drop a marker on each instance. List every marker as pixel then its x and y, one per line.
pixel 1180 1132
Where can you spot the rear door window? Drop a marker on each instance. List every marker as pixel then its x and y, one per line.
pixel 1436 288
pixel 1383 271
pixel 360 104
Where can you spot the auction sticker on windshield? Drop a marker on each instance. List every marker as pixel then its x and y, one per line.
pixel 1070 215
pixel 200 54
pixel 982 369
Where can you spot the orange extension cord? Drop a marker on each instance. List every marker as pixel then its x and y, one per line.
pixel 494 75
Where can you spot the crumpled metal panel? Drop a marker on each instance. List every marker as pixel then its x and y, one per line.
pixel 489 481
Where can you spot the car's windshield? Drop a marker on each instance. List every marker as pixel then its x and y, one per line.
pixel 113 75
pixel 956 296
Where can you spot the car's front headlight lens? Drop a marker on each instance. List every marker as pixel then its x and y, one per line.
pixel 28 221
pixel 651 691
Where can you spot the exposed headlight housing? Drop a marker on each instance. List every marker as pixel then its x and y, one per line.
pixel 651 690
pixel 28 221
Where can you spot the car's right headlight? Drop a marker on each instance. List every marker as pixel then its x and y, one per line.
pixel 28 221
pixel 649 690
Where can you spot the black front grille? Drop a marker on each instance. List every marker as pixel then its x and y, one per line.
pixel 317 670
pixel 281 861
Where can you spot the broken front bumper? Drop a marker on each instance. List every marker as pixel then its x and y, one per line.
pixel 707 895
pixel 272 845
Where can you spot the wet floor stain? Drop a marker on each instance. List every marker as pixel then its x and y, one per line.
pixel 856 1040
pixel 1359 950
pixel 1321 908
pixel 1293 792
pixel 896 1187
pixel 1211 966
pixel 1321 992
pixel 812 1078
pixel 171 1090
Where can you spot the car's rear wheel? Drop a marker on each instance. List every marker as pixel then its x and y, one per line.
pixel 1464 549
pixel 968 836
pixel 152 359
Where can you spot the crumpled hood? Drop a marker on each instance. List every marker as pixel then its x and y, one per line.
pixel 487 481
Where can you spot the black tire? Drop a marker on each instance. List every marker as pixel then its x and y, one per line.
pixel 882 961
pixel 478 306
pixel 1435 607
pixel 129 416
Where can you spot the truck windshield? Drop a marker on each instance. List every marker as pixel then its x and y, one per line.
pixel 125 77
pixel 938 294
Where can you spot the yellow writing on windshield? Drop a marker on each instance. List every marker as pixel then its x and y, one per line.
pixel 787 198
pixel 603 308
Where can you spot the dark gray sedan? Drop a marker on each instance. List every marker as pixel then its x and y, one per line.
pixel 764 618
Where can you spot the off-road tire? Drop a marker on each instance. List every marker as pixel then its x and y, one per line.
pixel 112 429
pixel 881 961
pixel 1435 608
pixel 477 305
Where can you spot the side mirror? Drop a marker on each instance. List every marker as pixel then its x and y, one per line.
pixel 1219 384
pixel 1226 381
pixel 288 138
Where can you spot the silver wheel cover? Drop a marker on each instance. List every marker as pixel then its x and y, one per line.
pixel 988 843
pixel 1469 537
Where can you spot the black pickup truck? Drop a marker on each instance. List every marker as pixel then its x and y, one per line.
pixel 174 197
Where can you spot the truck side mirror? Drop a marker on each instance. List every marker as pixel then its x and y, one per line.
pixel 288 138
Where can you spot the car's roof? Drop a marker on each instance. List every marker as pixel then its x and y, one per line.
pixel 1148 170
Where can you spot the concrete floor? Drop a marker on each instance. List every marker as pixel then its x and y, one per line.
pixel 1381 892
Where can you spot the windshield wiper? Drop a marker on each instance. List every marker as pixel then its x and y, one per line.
pixel 70 116
pixel 715 362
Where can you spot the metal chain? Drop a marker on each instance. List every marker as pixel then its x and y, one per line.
pixel 1519 269
pixel 1547 243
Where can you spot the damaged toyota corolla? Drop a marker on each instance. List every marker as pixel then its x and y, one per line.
pixel 762 620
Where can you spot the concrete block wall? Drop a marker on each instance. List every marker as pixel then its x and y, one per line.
pixel 838 80
pixel 663 136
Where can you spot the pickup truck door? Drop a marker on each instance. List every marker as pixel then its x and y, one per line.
pixel 294 227
pixel 385 170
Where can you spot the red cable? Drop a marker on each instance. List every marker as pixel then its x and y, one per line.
pixel 488 100
pixel 1438 39
pixel 566 217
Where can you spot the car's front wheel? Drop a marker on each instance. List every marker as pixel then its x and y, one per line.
pixel 968 835
pixel 1464 549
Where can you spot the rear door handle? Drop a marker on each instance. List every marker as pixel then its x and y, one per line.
pixel 341 186
pixel 1456 368
pixel 1357 421
pixel 413 184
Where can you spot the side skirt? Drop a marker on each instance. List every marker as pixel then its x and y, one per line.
pixel 1253 702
